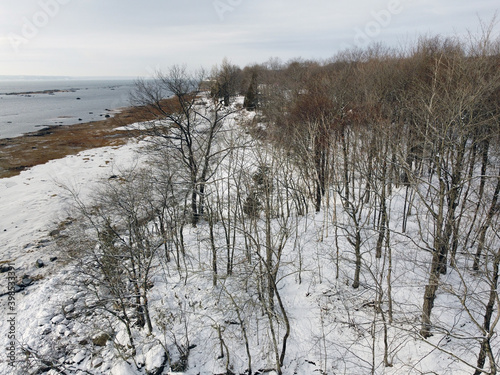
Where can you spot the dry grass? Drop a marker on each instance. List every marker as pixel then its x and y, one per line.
pixel 55 142
pixel 20 153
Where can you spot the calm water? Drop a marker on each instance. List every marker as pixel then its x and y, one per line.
pixel 85 100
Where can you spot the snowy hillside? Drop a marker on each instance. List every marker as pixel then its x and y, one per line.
pixel 340 218
pixel 203 324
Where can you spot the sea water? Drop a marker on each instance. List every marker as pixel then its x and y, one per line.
pixel 24 109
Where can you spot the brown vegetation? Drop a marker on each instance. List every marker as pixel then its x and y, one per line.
pixel 54 142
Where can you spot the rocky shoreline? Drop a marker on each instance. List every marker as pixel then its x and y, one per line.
pixel 49 92
pixel 54 142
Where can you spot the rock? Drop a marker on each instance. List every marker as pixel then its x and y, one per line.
pixel 57 319
pixel 61 330
pixel 79 357
pixel 77 296
pixel 122 368
pixel 26 281
pixel 156 360
pixel 18 288
pixel 40 264
pixel 101 340
pixel 54 233
pixel 5 268
pixel 43 243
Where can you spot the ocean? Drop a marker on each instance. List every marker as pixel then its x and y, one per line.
pixel 24 108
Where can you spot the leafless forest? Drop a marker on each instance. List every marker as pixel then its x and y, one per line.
pixel 336 216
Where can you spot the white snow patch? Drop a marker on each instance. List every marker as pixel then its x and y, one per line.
pixel 122 368
pixel 155 358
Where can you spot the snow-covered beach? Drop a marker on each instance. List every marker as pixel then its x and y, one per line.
pixel 34 206
pixel 34 202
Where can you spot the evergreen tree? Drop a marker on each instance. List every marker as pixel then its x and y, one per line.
pixel 251 96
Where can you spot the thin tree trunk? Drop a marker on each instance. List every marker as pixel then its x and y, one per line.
pixel 485 350
pixel 470 174
pixel 214 251
pixel 484 166
pixel 482 234
pixel 357 249
pixel 383 209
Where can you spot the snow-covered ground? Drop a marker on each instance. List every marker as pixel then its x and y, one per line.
pixel 34 208
pixel 334 328
pixel 34 203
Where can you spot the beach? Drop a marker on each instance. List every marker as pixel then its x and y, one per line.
pixel 54 142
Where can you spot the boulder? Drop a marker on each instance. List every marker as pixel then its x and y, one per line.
pixel 54 233
pixel 57 319
pixel 26 281
pixel 101 340
pixel 156 360
pixel 5 268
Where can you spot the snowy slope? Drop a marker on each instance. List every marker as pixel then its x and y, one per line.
pixel 334 328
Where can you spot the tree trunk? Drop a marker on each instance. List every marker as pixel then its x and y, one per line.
pixel 429 297
pixel 214 251
pixel 383 209
pixel 357 250
pixel 484 164
pixel 482 234
pixel 194 207
pixel 485 350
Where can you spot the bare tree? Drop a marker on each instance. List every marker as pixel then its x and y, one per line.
pixel 225 82
pixel 185 126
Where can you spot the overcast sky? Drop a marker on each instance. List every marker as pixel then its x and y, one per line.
pixel 134 38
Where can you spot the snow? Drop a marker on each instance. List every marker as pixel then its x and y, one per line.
pixel 331 324
pixel 122 368
pixel 154 358
pixel 35 202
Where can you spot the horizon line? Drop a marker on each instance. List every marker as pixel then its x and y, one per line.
pixel 14 77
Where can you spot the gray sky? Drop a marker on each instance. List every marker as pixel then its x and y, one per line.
pixel 134 38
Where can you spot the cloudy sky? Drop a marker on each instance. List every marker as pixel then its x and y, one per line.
pixel 134 38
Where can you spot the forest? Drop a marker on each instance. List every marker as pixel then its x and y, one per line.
pixel 330 217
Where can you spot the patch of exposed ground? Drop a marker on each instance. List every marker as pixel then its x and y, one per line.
pixel 55 142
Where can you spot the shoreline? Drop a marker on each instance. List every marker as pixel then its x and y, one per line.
pixel 57 141
pixel 42 92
